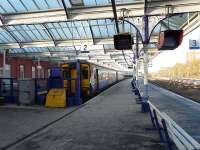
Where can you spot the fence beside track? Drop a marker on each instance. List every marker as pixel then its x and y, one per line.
pixel 170 132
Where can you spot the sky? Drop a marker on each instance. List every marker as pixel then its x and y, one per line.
pixel 170 58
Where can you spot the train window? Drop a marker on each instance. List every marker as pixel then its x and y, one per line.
pixel 84 73
pixel 65 73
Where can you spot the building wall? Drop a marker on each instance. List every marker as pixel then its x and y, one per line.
pixel 15 63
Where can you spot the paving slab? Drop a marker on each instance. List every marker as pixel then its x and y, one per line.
pixel 17 122
pixel 110 121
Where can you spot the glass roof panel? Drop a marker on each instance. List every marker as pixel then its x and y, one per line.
pixel 111 30
pixel 106 2
pixel 175 22
pixel 29 50
pixel 5 37
pixel 6 6
pixel 16 50
pixel 108 46
pixel 104 31
pixel 28 33
pixel 21 6
pixel 96 31
pixel 58 49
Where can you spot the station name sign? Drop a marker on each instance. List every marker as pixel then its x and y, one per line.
pixel 194 44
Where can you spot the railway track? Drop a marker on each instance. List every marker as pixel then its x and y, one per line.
pixel 185 87
pixel 185 82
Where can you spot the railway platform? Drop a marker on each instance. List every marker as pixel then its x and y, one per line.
pixel 111 120
pixel 182 110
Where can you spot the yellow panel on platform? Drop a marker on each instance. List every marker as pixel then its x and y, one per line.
pixel 56 98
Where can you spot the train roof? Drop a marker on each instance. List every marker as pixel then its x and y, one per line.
pixel 85 61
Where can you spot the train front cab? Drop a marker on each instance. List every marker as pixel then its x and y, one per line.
pixel 71 78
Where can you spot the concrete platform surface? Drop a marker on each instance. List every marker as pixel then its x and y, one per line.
pixel 110 121
pixel 17 122
pixel 182 110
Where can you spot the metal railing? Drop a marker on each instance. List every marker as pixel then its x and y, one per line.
pixel 170 132
pixel 41 90
pixel 8 90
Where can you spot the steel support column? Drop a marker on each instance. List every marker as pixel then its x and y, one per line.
pixel 65 8
pixel 137 58
pixel 115 15
pixel 92 33
pixel 4 63
pixel 145 105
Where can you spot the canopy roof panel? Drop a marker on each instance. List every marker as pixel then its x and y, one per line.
pixel 22 6
pixel 41 27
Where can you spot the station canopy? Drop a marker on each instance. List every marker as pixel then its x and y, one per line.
pixel 61 30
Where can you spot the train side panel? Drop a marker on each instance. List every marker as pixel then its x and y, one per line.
pixel 94 84
pixel 101 77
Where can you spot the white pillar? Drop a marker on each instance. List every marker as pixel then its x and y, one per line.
pixel 4 63
pixel 38 68
pixel 145 58
pixel 136 68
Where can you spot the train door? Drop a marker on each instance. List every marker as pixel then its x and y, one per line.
pixel 73 75
pixel 70 74
pixel 65 70
pixel 97 80
pixel 85 80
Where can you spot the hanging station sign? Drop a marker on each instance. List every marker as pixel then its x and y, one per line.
pixel 84 49
pixel 170 39
pixel 123 41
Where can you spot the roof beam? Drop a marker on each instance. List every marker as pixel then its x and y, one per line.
pixel 106 60
pixel 49 33
pixel 49 51
pixel 15 38
pixel 81 13
pixel 65 8
pixel 178 6
pixel 60 43
pixel 12 35
pixel 92 33
pixel 98 12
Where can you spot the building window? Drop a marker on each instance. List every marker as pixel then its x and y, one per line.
pixel 33 71
pixel 21 71
pixel 49 72
pixel 42 73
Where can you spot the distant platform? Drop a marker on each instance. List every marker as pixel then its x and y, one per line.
pixel 110 121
